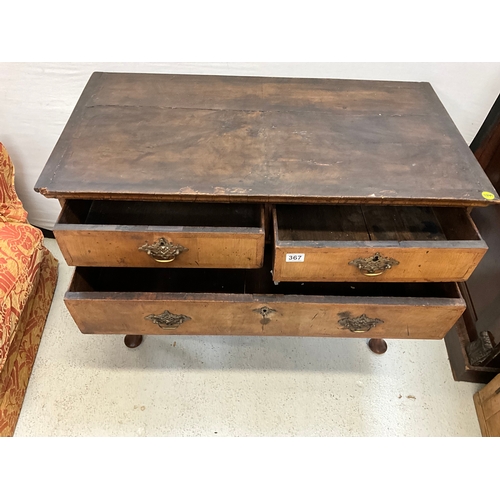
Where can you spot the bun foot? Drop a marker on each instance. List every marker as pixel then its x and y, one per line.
pixel 378 346
pixel 133 341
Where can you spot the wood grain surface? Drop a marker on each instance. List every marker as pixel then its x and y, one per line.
pixel 487 403
pixel 112 235
pixel 236 315
pixel 230 302
pixel 117 246
pixel 440 244
pixel 190 137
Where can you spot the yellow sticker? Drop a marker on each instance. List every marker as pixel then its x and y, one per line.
pixel 488 195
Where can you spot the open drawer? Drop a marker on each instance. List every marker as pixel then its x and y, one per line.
pixel 158 234
pixel 374 243
pixel 239 302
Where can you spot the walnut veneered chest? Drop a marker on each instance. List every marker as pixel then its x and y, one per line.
pixel 265 206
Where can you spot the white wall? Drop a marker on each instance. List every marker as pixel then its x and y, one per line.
pixel 36 100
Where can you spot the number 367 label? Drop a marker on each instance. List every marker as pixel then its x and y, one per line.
pixel 295 257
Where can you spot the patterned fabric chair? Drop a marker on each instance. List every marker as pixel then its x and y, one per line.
pixel 28 276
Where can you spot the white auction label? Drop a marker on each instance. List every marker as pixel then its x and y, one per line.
pixel 295 257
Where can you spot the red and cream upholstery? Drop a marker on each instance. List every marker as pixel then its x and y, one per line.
pixel 28 275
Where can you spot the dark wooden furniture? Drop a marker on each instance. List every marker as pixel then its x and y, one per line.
pixel 474 344
pixel 265 206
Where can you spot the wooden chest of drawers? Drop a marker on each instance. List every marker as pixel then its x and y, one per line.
pixel 207 205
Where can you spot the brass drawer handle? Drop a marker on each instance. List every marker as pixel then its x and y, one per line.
pixel 162 250
pixel 374 265
pixel 360 324
pixel 168 320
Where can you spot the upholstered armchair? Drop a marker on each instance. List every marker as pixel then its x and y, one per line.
pixel 28 276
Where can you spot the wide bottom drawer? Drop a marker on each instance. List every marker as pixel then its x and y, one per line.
pixel 246 302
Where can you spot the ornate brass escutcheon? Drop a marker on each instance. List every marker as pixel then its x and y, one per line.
pixel 168 320
pixel 264 311
pixel 360 324
pixel 374 265
pixel 162 250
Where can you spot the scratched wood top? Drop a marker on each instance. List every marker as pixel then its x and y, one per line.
pixel 218 138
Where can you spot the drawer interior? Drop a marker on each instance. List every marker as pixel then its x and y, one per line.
pixel 373 223
pixel 240 281
pixel 106 212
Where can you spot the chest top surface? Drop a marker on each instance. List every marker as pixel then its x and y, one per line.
pixel 219 138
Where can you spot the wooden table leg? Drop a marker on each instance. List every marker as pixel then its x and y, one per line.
pixel 133 341
pixel 378 346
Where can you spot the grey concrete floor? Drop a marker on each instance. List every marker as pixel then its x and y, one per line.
pixel 86 385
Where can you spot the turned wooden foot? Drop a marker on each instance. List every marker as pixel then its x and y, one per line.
pixel 133 341
pixel 378 346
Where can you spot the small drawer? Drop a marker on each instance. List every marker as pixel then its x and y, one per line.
pixel 374 243
pixel 158 234
pixel 247 302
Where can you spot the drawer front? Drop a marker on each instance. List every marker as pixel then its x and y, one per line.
pixel 84 244
pixel 374 264
pixel 351 252
pixel 130 248
pixel 187 313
